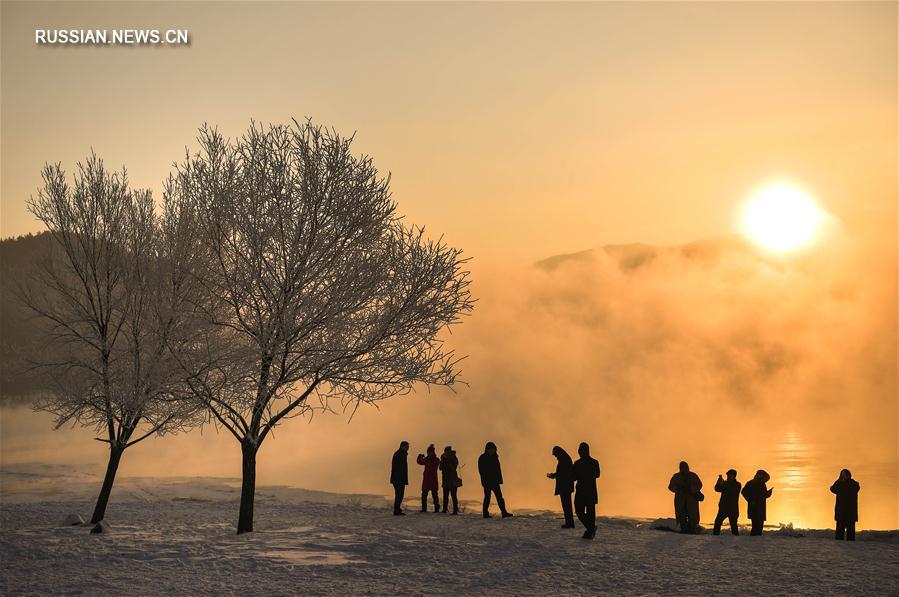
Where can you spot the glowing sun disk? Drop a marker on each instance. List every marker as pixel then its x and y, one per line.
pixel 781 218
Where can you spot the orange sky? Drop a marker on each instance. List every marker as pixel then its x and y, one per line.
pixel 518 130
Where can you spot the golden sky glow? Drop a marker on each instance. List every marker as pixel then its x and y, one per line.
pixel 520 130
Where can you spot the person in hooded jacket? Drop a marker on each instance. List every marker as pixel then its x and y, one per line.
pixel 686 486
pixel 845 510
pixel 491 479
pixel 586 471
pixel 728 503
pixel 449 465
pixel 757 493
pixel 429 478
pixel 564 484
pixel 399 477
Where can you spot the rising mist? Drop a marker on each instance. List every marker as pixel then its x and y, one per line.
pixel 712 352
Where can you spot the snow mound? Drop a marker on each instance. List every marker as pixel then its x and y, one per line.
pixel 619 521
pixel 101 527
pixel 72 520
pixel 787 530
pixel 664 524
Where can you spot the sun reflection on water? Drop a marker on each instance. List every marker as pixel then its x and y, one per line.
pixel 793 459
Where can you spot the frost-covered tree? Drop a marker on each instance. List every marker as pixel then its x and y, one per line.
pixel 110 300
pixel 316 288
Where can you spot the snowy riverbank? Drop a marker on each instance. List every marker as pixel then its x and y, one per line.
pixel 176 535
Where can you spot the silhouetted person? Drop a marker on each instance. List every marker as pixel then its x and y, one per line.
pixel 757 493
pixel 686 486
pixel 429 478
pixel 491 479
pixel 728 503
pixel 586 471
pixel 564 484
pixel 845 511
pixel 449 466
pixel 399 477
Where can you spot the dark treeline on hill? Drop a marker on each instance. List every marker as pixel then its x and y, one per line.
pixel 19 258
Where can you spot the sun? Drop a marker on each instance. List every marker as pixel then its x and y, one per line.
pixel 781 218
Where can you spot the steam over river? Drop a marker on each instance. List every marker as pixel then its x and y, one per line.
pixel 309 456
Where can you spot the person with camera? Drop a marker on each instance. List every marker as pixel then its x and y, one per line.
pixel 845 511
pixel 564 484
pixel 728 503
pixel 429 478
pixel 757 493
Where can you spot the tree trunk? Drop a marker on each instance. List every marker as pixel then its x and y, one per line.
pixel 115 455
pixel 248 486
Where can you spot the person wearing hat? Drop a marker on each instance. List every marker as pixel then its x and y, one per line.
pixel 728 503
pixel 429 478
pixel 757 493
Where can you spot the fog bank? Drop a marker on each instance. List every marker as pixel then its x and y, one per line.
pixel 712 352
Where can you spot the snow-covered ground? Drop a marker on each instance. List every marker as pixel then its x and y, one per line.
pixel 176 535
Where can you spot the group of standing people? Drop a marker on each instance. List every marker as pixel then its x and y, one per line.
pixel 578 478
pixel 447 465
pixel 687 489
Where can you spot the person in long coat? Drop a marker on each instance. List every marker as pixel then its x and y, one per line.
pixel 757 493
pixel 585 471
pixel 491 479
pixel 429 478
pixel 686 487
pixel 728 503
pixel 399 477
pixel 845 510
pixel 449 469
pixel 564 484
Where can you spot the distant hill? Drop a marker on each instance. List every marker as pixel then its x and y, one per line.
pixel 633 256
